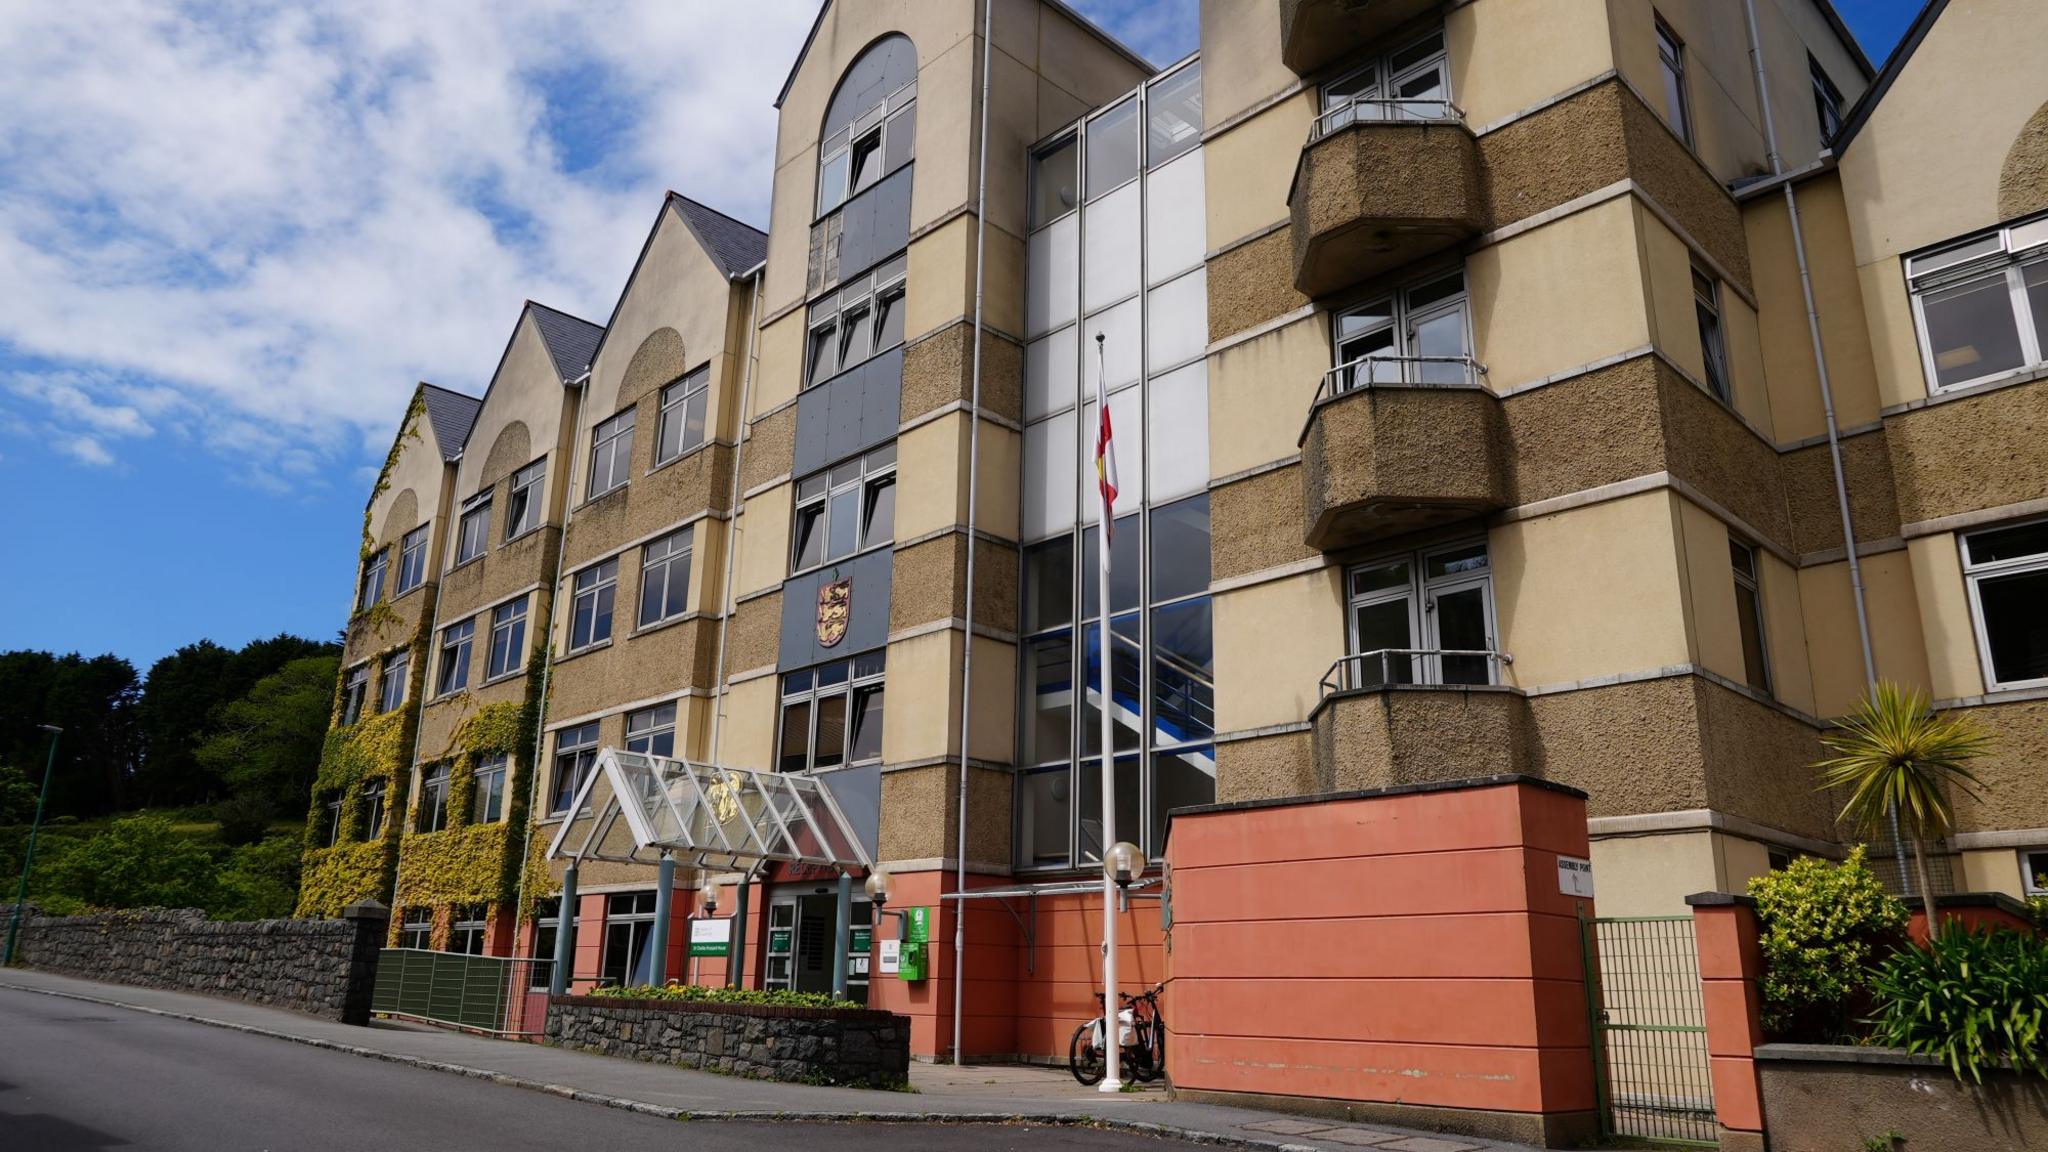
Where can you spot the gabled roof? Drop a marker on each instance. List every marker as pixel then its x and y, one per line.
pixel 570 340
pixel 735 246
pixel 450 415
pixel 1893 65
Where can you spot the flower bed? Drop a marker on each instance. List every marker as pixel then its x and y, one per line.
pixel 801 1044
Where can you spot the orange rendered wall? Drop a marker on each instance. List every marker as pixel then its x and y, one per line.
pixel 1404 947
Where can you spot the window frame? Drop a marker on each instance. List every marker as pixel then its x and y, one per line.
pixel 524 511
pixel 1974 573
pixel 469 929
pixel 1672 66
pixel 509 618
pixel 876 470
pixel 638 922
pixel 646 727
pixel 866 676
pixel 1403 318
pixel 869 299
pixel 1386 81
pixel 374 807
pixel 331 820
pixel 611 444
pixel 355 692
pixel 601 582
pixel 2029 877
pixel 1751 580
pixel 431 814
pixel 582 758
pixel 540 978
pixel 473 528
pixel 1828 105
pixel 878 122
pixel 677 397
pixel 2013 262
pixel 1707 312
pixel 394 668
pixel 460 651
pixel 665 564
pixel 1424 632
pixel 370 584
pixel 487 804
pixel 416 929
pixel 412 561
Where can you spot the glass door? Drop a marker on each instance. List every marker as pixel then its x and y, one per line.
pixel 781 943
pixel 1382 617
pixel 1458 614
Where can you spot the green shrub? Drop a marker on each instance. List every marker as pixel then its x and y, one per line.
pixel 1823 927
pixel 2037 908
pixel 1973 998
pixel 137 862
pixel 701 994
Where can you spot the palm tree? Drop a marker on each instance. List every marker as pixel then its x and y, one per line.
pixel 1895 753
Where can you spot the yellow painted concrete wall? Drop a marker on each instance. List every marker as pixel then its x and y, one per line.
pixel 1721 86
pixel 1831 641
pixel 1785 337
pixel 1710 592
pixel 1993 870
pixel 1954 667
pixel 1248 170
pixel 1259 393
pixel 1508 55
pixel 1559 296
pixel 1260 682
pixel 1785 632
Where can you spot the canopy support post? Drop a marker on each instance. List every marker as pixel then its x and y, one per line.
pixel 842 935
pixel 664 904
pixel 565 934
pixel 737 967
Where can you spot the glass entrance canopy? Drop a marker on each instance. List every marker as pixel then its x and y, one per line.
pixel 705 816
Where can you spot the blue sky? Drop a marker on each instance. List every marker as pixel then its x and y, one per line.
pixel 232 237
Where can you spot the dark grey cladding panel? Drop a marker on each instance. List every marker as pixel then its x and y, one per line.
pixel 850 413
pixel 867 626
pixel 876 224
pixel 858 792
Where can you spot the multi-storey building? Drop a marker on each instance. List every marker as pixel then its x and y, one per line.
pixel 1493 382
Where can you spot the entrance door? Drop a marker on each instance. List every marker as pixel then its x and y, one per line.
pixel 800 944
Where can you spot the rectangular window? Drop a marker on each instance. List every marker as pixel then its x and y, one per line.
pixel 1706 305
pixel 487 805
pixel 590 620
pixel 575 755
pixel 871 144
pixel 611 454
pixel 1749 615
pixel 2007 573
pixel 433 810
pixel 832 715
pixel 682 415
pixel 1412 82
pixel 417 929
pixel 467 931
pixel 1671 62
pixel 1054 192
pixel 853 325
pixel 1173 115
pixel 391 686
pixel 2034 872
pixel 665 577
pixel 455 656
pixel 1982 305
pixel 1112 148
pixel 546 923
pixel 1419 335
pixel 523 505
pixel 473 530
pixel 330 822
pixel 1827 100
pixel 371 588
pixel 628 955
pixel 412 560
pixel 373 809
pixel 355 689
pixel 1420 618
pixel 652 731
pixel 508 639
pixel 848 508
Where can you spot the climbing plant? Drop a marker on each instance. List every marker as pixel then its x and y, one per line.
pixel 467 862
pixel 374 748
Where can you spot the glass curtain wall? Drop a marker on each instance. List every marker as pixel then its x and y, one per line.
pixel 1117 239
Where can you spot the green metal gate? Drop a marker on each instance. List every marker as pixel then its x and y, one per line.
pixel 1648 1015
pixel 478 992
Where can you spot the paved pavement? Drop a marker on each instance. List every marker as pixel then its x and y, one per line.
pixel 82 1061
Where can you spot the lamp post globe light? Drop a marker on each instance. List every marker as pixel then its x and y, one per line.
pixel 1124 863
pixel 878 886
pixel 28 859
pixel 707 894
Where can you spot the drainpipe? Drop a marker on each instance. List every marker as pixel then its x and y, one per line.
pixel 973 498
pixel 420 705
pixel 1827 398
pixel 732 509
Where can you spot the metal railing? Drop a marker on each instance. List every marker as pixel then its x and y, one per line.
pixel 1425 666
pixel 1379 110
pixel 1376 371
pixel 504 995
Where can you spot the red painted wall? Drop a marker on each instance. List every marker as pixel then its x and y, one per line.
pixel 1410 948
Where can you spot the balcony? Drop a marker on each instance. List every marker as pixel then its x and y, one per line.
pixel 1314 33
pixel 1380 184
pixel 1407 716
pixel 1396 444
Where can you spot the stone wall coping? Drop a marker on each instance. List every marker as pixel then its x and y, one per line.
pixel 787 1011
pixel 1720 900
pixel 1495 781
pixel 1846 1054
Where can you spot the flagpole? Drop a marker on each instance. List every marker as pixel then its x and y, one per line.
pixel 1111 1032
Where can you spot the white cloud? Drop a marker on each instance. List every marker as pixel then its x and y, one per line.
pixel 255 226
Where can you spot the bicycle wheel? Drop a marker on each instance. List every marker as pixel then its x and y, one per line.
pixel 1084 1058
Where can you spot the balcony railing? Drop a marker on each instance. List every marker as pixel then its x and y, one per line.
pixel 1375 370
pixel 1424 666
pixel 1376 110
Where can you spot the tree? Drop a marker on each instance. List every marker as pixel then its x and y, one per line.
pixel 266 745
pixel 93 700
pixel 139 861
pixel 1894 751
pixel 182 704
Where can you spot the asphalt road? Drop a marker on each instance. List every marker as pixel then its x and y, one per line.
pixel 81 1076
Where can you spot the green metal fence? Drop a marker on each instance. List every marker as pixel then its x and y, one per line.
pixel 1649 1030
pixel 486 993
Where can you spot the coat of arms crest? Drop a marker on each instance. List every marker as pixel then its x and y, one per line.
pixel 835 608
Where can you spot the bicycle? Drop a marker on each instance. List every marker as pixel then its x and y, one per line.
pixel 1141 1037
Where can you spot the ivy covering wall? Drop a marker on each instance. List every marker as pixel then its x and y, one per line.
pixel 374 748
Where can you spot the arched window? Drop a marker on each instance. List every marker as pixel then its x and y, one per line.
pixel 870 128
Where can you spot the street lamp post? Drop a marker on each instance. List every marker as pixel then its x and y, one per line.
pixel 29 858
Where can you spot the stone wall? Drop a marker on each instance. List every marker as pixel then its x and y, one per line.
pixel 1817 1098
pixel 801 1045
pixel 322 967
